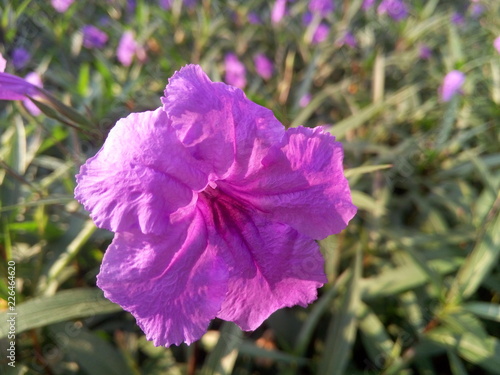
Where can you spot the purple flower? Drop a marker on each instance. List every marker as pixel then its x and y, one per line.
pixel 367 4
pixel 131 6
pixel 396 9
pixel 348 39
pixel 425 52
pixel 321 33
pixel 496 44
pixel 20 58
pixel 61 5
pixel 305 100
pixel 16 88
pixel 278 11
pixel 235 71
pixel 215 207
pixel 93 37
pixel 476 10
pixel 126 48
pixel 254 18
pixel 263 66
pixel 35 79
pixel 458 19
pixel 3 64
pixel 322 7
pixel 452 84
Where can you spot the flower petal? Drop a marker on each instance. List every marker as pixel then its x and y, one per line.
pixel 271 264
pixel 16 88
pixel 216 122
pixel 300 183
pixel 172 295
pixel 139 177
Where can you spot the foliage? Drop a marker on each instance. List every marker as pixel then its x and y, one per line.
pixel 414 279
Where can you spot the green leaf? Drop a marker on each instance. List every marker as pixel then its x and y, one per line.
pixel 481 260
pixel 484 310
pixel 403 278
pixel 378 343
pixel 365 169
pixel 484 352
pixel 456 365
pixel 248 348
pixel 319 308
pixel 65 305
pixel 222 358
pixel 51 279
pixel 94 355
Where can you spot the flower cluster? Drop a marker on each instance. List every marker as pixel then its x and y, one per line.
pixel 216 209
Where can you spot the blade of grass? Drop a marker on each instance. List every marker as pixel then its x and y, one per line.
pixel 319 308
pixel 222 358
pixel 51 283
pixel 342 330
pixel 67 304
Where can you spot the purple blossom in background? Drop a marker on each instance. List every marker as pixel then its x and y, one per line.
pixel 425 52
pixel 35 79
pixel 452 83
pixel 396 9
pixel 20 58
pixel 3 64
pixel 254 18
pixel 458 19
pixel 131 6
pixel 496 44
pixel 263 66
pixel 93 37
pixel 126 48
pixel 223 224
pixel 165 4
pixel 235 71
pixel 322 7
pixel 61 5
pixel 367 4
pixel 305 100
pixel 476 10
pixel 278 11
pixel 348 39
pixel 321 33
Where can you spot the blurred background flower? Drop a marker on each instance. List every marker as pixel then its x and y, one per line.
pixel 20 58
pixel 235 71
pixel 61 5
pixel 263 66
pixel 452 84
pixel 93 37
pixel 396 9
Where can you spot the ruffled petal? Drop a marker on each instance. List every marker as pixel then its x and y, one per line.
pixel 271 264
pixel 300 183
pixel 173 295
pixel 216 122
pixel 139 177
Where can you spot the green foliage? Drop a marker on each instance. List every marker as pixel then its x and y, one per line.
pixel 414 279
